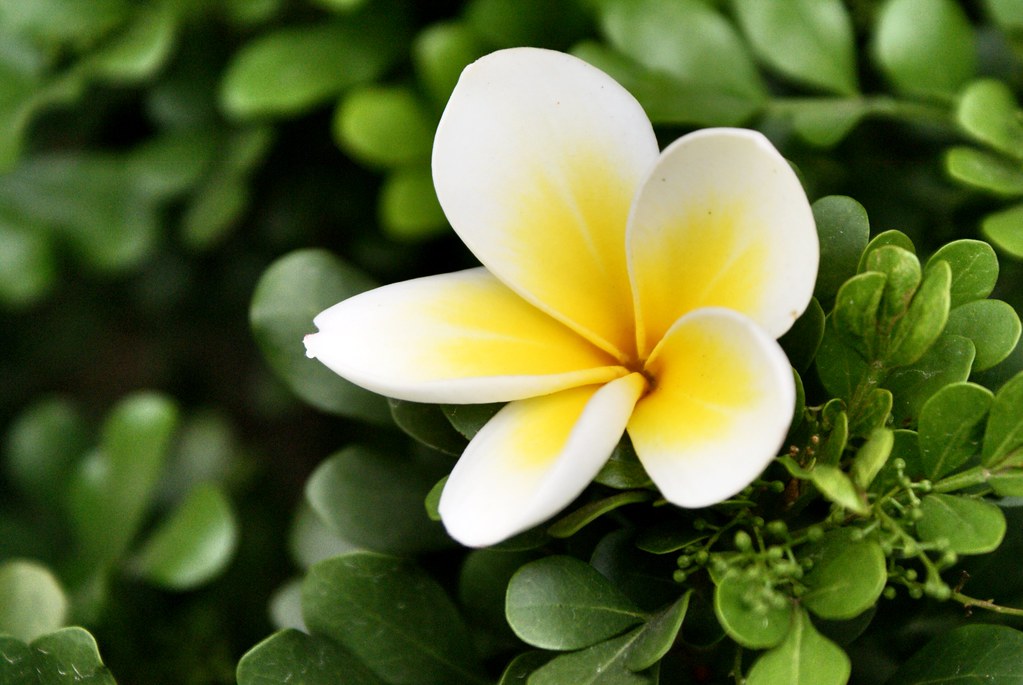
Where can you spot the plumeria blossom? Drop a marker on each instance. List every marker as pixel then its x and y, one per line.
pixel 622 289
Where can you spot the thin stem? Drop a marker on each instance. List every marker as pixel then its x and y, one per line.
pixel 978 475
pixel 968 602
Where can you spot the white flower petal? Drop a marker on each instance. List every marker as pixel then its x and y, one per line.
pixel 536 161
pixel 720 407
pixel 722 221
pixel 461 338
pixel 533 458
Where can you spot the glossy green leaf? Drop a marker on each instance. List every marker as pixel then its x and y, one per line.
pixel 42 446
pixel 832 448
pixel 393 617
pixel 32 601
pixel 872 413
pixel 571 524
pixel 296 67
pixel 951 427
pixel 66 657
pixel 992 325
pixel 746 615
pixel 658 635
pixel 440 52
pixel 540 23
pixel 839 366
pixel 375 499
pixel 974 269
pixel 467 419
pixel 892 237
pixel 903 274
pixel 847 576
pixel 1003 435
pixel 386 126
pixel 872 456
pixel 970 526
pixel 562 603
pixel 521 667
pixel 988 111
pixel 602 664
pixel 408 205
pixel 810 41
pixel 949 360
pixel 856 314
pixel 291 292
pixel 194 544
pixel 427 424
pixel 115 485
pixel 623 470
pixel 985 170
pixel 925 47
pixel 802 340
pixel 1005 229
pixel 311 540
pixel 968 654
pixel 291 656
pixel 843 230
pixel 685 39
pixel 918 328
pixel 667 99
pixel 483 584
pixel 837 487
pixel 804 658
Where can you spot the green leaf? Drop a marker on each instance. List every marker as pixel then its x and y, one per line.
pixel 924 320
pixel 469 418
pixel 296 67
pixel 804 658
pixel 903 273
pixel 392 616
pixel 483 585
pixel 988 111
pixel 1005 229
pixel 743 609
pixel 951 427
pixel 1008 14
pixel 375 499
pixel 1003 435
pixel 824 122
pixel 949 360
pixel 623 470
pixel 522 666
pixel 810 41
pixel 68 657
pixel 42 447
pixel 569 525
pixel 974 269
pixel 141 48
pixel 847 576
pixel 687 40
pixel 194 544
pixel 291 292
pixel 970 526
pixel 387 126
pixel 541 23
pixel 856 314
pixel 833 447
pixel 28 264
pixel 290 656
pixel 427 424
pixel 115 485
pixel 992 325
pixel 872 456
pixel 896 238
pixel 839 366
pixel 439 54
pixel 925 47
pixel 993 173
pixel 802 340
pixel 59 21
pixel 408 205
pixel 32 601
pixel 837 487
pixel 843 230
pixel 668 100
pixel 658 635
pixel 968 654
pixel 872 412
pixel 562 603
pixel 601 664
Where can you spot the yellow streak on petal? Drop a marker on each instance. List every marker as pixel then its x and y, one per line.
pixel 701 384
pixel 710 260
pixel 566 242
pixel 488 330
pixel 552 419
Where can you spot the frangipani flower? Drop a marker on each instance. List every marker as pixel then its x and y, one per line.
pixel 622 289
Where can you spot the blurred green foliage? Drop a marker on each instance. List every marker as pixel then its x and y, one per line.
pixel 174 171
